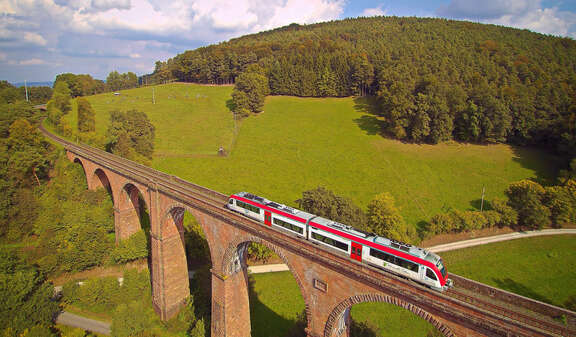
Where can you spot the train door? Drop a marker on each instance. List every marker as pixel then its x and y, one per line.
pixel 268 218
pixel 356 253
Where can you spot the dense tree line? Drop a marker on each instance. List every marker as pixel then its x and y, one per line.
pixel 435 79
pixel 85 85
pixel 12 94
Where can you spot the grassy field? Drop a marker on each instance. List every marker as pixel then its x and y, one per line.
pixel 522 266
pixel 300 143
pixel 542 268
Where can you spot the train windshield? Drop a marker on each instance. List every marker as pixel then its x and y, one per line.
pixel 440 266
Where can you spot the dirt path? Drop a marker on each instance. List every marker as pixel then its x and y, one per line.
pixel 66 318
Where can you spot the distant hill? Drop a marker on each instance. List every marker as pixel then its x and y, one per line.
pixel 435 79
pixel 34 84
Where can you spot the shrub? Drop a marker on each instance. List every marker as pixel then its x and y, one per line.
pixel 508 216
pixel 130 249
pixel 527 197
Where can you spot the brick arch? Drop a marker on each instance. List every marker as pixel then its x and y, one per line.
pixel 100 179
pixel 128 195
pixel 336 313
pixel 175 209
pixel 229 255
pixel 77 160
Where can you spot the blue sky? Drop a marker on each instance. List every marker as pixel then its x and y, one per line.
pixel 42 38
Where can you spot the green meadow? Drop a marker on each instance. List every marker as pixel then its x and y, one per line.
pixel 297 144
pixel 542 268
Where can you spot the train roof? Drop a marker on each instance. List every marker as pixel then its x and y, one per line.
pixel 407 248
pixel 280 207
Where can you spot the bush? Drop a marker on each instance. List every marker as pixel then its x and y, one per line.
pixel 527 198
pixel 508 216
pixel 132 319
pixel 443 223
pixel 130 249
pixel 259 252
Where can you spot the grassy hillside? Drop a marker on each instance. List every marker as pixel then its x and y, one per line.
pixel 300 143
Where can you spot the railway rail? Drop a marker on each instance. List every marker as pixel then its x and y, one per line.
pixel 473 303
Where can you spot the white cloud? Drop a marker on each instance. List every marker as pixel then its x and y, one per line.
pixel 525 14
pixel 34 38
pixel 378 11
pixel 111 4
pixel 547 21
pixel 33 61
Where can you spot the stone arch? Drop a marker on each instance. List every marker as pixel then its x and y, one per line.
pixel 100 179
pixel 229 265
pixel 338 311
pixel 129 204
pixel 176 212
pixel 77 160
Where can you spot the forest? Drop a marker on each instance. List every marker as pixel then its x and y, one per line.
pixel 435 80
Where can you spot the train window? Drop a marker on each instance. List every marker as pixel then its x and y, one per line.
pixel 288 225
pixel 430 274
pixel 382 256
pixel 331 242
pixel 394 260
pixel 248 206
pixel 407 265
pixel 231 201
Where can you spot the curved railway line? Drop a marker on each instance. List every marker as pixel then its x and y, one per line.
pixel 475 301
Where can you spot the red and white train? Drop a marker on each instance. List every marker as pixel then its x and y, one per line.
pixel 397 257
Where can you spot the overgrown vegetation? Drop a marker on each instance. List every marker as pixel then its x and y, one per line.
pixel 72 236
pixel 26 306
pixel 129 304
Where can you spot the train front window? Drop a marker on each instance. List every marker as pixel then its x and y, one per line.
pixel 440 266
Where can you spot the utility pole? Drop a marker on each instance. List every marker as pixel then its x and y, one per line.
pixel 26 90
pixel 482 203
pixel 153 97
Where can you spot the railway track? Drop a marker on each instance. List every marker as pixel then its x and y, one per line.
pixel 539 322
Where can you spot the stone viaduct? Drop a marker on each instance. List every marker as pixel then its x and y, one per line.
pixel 329 283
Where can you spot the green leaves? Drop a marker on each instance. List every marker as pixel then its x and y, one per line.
pixel 131 135
pixel 25 296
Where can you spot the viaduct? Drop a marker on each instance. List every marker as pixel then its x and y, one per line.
pixel 329 283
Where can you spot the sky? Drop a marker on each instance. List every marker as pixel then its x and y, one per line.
pixel 42 38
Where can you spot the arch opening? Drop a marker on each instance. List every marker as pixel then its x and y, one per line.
pixel 131 215
pixel 79 161
pixel 277 300
pixel 187 260
pixel 100 180
pixel 374 315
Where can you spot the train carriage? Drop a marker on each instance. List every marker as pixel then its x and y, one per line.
pixel 397 257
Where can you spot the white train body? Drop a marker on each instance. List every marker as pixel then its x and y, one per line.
pixel 400 258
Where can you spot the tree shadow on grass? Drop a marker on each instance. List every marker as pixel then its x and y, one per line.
pixel 369 122
pixel 544 165
pixel 230 105
pixel 267 323
pixel 520 289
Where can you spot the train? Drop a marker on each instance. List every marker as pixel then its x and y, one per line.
pixel 415 263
